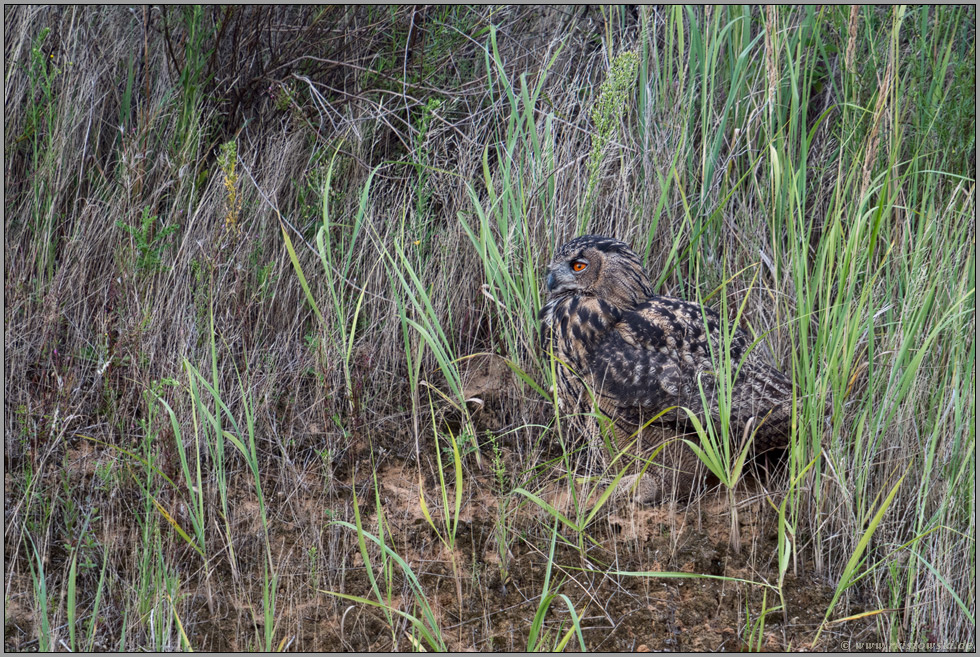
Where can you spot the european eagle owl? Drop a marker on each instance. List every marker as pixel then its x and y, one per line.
pixel 631 354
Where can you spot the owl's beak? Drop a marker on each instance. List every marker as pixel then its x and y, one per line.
pixel 551 281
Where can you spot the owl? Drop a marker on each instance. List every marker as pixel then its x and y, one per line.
pixel 630 354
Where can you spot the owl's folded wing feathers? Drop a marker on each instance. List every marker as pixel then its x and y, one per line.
pixel 659 356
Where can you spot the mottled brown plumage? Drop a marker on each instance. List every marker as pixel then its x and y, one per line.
pixel 639 353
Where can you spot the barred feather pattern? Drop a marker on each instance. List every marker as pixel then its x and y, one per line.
pixel 630 355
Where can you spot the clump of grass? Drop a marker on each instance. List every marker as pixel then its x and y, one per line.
pixel 609 108
pixel 150 242
pixel 227 160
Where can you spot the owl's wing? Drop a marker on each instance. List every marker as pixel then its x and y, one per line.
pixel 651 360
pixel 659 356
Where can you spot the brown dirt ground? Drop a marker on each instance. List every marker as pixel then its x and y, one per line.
pixel 475 604
pixel 619 612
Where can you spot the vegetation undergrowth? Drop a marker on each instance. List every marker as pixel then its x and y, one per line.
pixel 273 377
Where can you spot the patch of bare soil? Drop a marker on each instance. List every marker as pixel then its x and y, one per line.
pixel 484 586
pixel 481 605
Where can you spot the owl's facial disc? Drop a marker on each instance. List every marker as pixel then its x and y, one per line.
pixel 563 276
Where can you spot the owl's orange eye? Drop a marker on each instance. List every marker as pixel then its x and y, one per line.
pixel 579 265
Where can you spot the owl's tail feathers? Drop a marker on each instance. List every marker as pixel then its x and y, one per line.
pixel 764 405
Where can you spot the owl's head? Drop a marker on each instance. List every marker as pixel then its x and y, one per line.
pixel 600 267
